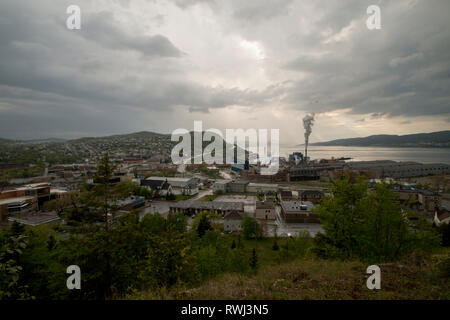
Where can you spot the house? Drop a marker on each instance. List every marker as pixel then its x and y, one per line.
pixel 265 210
pixel 313 196
pixel 442 215
pixel 221 186
pixel 237 186
pixel 271 196
pixel 425 201
pixel 230 186
pixel 285 195
pixel 232 221
pixel 182 186
pixel 441 218
pixel 298 212
pixel 158 187
pixel 197 206
pixel 428 200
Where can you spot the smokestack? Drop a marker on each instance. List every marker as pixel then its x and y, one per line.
pixel 308 122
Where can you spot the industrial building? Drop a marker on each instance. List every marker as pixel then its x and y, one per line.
pixel 296 158
pixel 24 204
pixel 262 187
pixel 394 169
pixel 298 212
pixel 221 186
pixel 36 219
pixel 313 196
pixel 195 207
pixel 23 199
pixel 302 173
pixel 285 195
pixel 231 186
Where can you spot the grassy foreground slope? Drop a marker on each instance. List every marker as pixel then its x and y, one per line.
pixel 309 277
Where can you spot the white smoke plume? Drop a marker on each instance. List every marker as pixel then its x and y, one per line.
pixel 308 122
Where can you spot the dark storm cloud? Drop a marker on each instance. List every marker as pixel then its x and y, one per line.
pixel 63 78
pixel 104 29
pixel 403 69
pixel 110 75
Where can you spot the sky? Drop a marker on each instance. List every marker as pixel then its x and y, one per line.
pixel 159 65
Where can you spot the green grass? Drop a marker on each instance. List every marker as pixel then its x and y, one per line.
pixel 209 197
pixel 308 277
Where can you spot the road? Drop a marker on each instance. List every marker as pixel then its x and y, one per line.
pixel 201 194
pixel 291 229
pixel 161 207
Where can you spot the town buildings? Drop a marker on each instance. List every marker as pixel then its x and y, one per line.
pixel 160 188
pixel 221 186
pixel 313 196
pixel 394 169
pixel 230 186
pixel 196 206
pixel 265 210
pixel 232 221
pixel 32 218
pixel 23 199
pixel 179 186
pixel 264 188
pixel 423 201
pixel 23 203
pixel 298 212
pixel 285 195
pixel 237 186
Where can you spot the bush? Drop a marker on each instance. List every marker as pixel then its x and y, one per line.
pixel 250 228
pixel 203 225
pixel 444 230
pixel 369 224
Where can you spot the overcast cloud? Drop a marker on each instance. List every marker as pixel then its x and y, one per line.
pixel 158 65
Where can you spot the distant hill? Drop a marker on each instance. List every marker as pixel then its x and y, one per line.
pixel 139 144
pixel 127 136
pixel 440 139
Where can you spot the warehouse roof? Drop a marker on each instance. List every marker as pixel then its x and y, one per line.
pixel 208 205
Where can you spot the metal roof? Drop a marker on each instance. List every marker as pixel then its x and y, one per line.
pixel 208 205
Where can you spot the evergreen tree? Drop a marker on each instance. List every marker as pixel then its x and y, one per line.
pixel 51 242
pixel 203 225
pixel 275 246
pixel 444 230
pixel 254 260
pixel 240 244
pixel 17 229
pixel 250 228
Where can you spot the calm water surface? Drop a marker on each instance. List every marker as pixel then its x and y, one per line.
pixel 422 155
